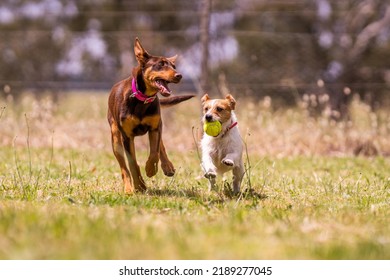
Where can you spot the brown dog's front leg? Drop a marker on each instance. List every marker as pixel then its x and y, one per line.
pixel 166 164
pixel 134 168
pixel 154 156
pixel 119 152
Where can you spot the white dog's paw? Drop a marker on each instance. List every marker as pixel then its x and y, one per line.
pixel 210 175
pixel 228 162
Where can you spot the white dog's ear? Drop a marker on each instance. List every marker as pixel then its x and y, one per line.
pixel 205 98
pixel 232 101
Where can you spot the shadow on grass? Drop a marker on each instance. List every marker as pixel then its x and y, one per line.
pixel 175 198
pixel 167 192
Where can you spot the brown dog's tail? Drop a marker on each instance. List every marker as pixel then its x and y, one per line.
pixel 173 100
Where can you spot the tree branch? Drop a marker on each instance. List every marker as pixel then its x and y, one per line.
pixel 368 33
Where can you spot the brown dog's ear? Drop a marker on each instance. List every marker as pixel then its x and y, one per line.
pixel 140 53
pixel 204 98
pixel 232 101
pixel 172 59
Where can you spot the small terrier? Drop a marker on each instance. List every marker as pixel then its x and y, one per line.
pixel 223 152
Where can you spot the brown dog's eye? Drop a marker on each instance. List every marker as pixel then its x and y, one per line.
pixel 219 109
pixel 206 109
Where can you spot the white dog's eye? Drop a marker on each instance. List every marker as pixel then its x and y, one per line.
pixel 219 109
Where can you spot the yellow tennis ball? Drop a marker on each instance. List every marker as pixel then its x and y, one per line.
pixel 212 128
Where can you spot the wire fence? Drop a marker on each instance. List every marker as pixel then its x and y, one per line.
pixel 269 51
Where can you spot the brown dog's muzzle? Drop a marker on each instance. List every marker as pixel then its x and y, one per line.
pixel 177 78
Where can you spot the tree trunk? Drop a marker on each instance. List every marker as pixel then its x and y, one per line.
pixel 205 38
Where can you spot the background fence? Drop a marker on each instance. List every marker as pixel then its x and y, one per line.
pixel 281 49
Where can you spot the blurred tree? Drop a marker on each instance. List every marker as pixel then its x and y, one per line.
pixel 68 43
pixel 277 52
pixel 204 38
pixel 287 46
pixel 27 49
pixel 350 34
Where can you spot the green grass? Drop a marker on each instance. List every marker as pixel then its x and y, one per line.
pixel 61 192
pixel 71 206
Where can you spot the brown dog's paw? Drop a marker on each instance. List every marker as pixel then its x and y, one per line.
pixel 151 167
pixel 129 189
pixel 168 168
pixel 141 187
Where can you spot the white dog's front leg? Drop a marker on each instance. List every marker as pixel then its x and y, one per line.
pixel 209 170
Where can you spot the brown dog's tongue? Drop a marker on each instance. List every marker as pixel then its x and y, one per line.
pixel 163 86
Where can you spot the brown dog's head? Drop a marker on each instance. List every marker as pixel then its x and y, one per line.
pixel 217 109
pixel 157 71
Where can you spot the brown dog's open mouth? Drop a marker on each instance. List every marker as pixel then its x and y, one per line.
pixel 163 87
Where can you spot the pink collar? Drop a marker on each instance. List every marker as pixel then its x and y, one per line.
pixel 139 95
pixel 229 128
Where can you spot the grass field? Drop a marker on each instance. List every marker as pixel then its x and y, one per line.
pixel 305 195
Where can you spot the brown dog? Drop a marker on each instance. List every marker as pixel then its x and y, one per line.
pixel 134 110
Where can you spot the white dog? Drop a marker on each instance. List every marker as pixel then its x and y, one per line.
pixel 223 152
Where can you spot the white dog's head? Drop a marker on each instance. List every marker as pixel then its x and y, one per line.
pixel 217 109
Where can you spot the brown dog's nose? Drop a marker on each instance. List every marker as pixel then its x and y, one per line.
pixel 209 117
pixel 178 76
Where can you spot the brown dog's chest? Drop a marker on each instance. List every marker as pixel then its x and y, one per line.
pixel 137 118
